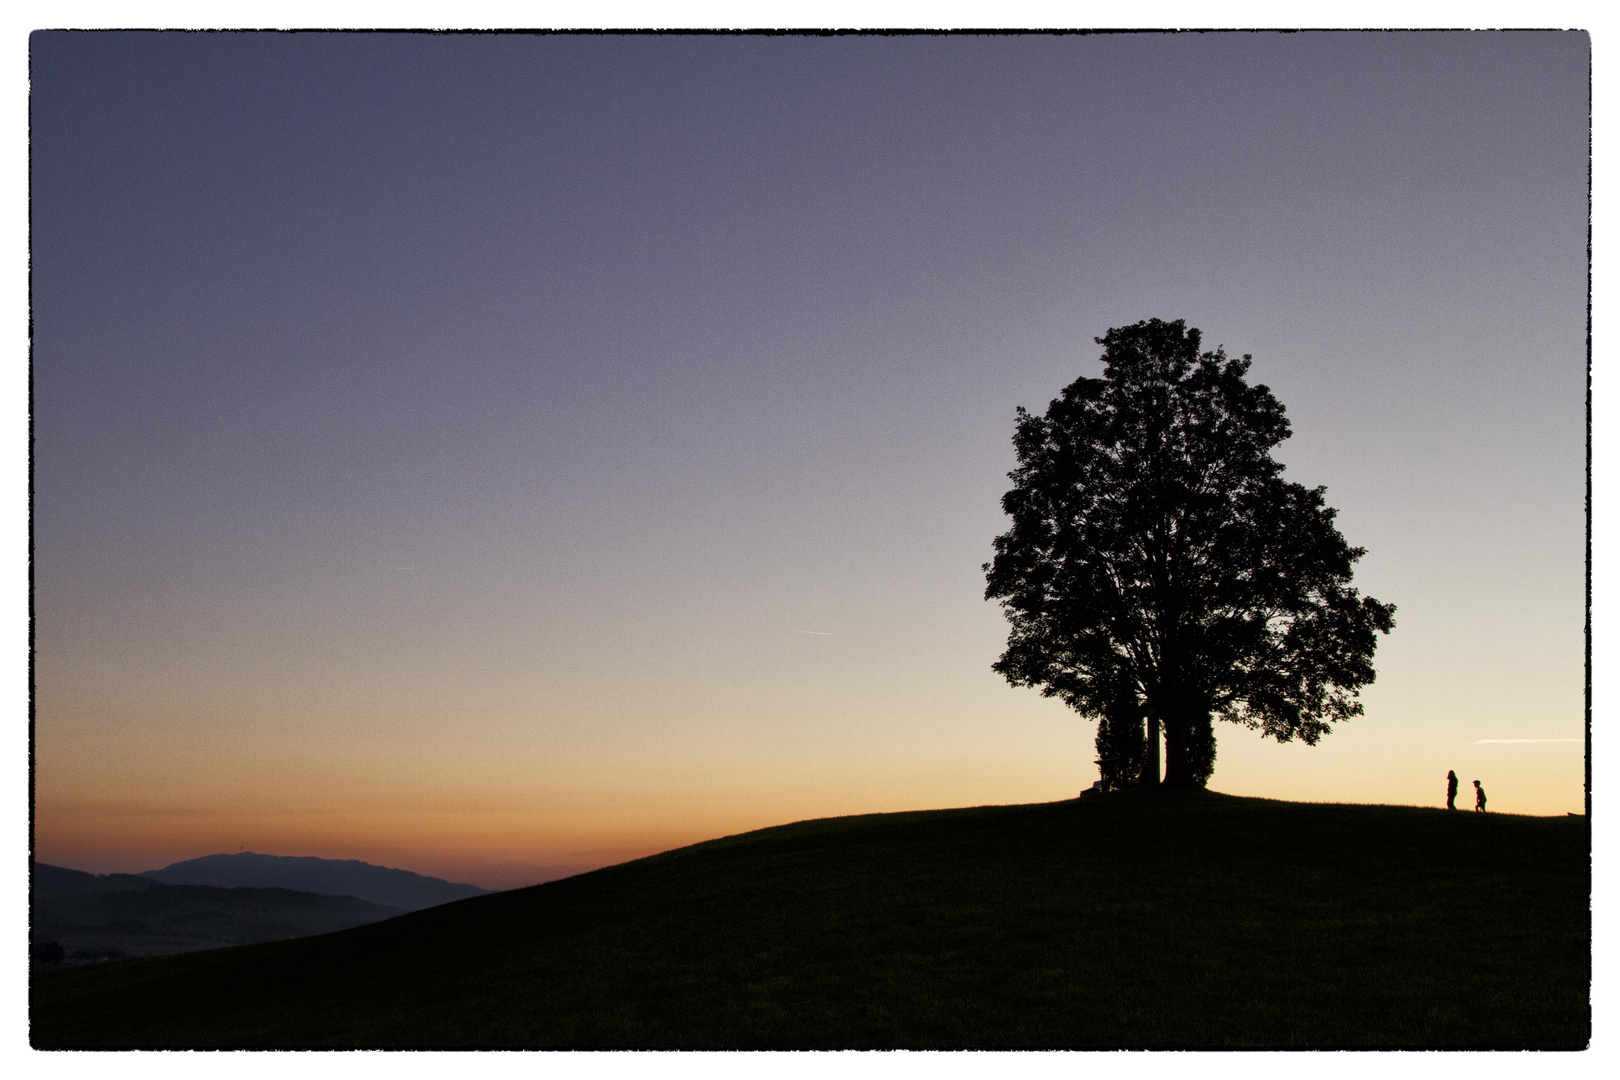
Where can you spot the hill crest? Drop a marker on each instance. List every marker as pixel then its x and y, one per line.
pixel 1169 920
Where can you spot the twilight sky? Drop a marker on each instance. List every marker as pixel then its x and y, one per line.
pixel 498 456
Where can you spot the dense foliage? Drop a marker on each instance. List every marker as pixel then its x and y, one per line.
pixel 1160 572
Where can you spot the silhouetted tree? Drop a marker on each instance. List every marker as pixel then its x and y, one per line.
pixel 1159 566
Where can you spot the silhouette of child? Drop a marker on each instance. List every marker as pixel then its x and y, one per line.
pixel 1451 789
pixel 1479 798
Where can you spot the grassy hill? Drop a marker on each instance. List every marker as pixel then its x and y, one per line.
pixel 1131 920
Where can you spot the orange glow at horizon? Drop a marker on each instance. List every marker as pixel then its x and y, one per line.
pixel 500 815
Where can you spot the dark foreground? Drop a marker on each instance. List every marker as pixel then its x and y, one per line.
pixel 1135 920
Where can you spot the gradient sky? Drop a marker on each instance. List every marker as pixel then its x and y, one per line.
pixel 445 447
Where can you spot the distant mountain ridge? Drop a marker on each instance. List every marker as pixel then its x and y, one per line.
pixel 330 877
pixel 109 916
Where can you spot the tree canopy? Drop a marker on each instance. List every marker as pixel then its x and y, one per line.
pixel 1159 570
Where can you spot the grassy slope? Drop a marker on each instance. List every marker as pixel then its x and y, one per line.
pixel 1138 920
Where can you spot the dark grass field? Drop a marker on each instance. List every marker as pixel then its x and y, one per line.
pixel 1149 920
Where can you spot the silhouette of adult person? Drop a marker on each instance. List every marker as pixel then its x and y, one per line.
pixel 1479 798
pixel 1451 789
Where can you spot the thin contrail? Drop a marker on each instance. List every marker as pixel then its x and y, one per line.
pixel 819 633
pixel 1477 742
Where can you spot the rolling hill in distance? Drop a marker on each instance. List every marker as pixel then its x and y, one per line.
pixel 1142 919
pixel 330 877
pixel 218 901
pixel 114 916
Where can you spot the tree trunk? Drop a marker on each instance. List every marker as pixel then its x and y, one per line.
pixel 1150 775
pixel 1177 756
